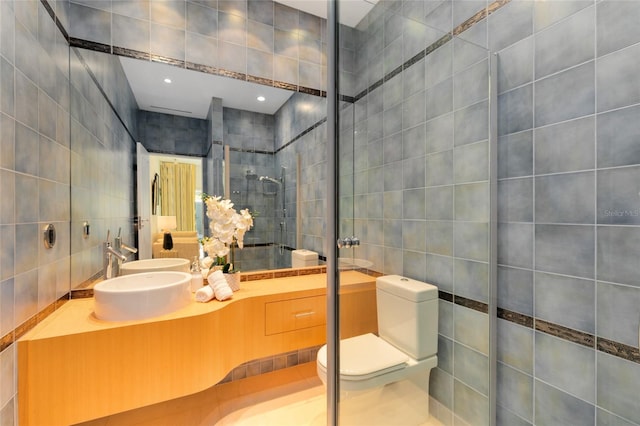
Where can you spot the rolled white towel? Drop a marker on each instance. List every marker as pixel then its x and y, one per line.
pixel 205 294
pixel 223 292
pixel 218 283
pixel 215 275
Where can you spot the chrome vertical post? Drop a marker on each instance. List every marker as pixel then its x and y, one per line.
pixel 333 282
pixel 493 234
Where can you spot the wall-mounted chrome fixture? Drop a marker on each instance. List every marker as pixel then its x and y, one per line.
pixel 348 242
pixel 49 236
pixel 269 179
pixel 269 185
pixel 112 257
pixel 86 230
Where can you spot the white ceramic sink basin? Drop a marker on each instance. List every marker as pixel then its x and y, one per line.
pixel 348 263
pixel 141 296
pixel 154 265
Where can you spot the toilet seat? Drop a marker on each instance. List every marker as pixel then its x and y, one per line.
pixel 365 356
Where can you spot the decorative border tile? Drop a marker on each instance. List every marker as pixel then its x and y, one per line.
pixel 343 98
pixel 433 47
pixel 565 333
pixel 471 304
pixel 252 151
pixel 309 91
pixel 520 319
pixel 89 45
pixel 167 60
pixel 416 58
pixel 301 134
pixel 393 73
pixel 208 69
pixel 84 293
pixel 620 350
pixel 557 330
pixel 464 301
pixel 130 53
pixel 6 341
pixel 446 296
pixel 271 363
pixel 259 80
pixel 284 85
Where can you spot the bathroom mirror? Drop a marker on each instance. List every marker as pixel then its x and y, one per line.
pixel 254 147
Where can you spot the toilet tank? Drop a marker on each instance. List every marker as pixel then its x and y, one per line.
pixel 408 315
pixel 302 258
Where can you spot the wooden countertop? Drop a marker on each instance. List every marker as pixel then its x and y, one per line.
pixel 73 367
pixel 76 316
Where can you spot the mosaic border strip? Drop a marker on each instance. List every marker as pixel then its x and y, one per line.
pixel 565 333
pixel 271 363
pixel 598 343
pixel 464 301
pixel 15 334
pixel 476 18
pixel 208 69
pixel 619 350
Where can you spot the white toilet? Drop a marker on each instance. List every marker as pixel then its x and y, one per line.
pixel 408 341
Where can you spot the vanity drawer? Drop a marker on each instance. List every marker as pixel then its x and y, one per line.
pixel 294 314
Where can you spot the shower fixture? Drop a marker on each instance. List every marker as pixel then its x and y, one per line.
pixel 269 179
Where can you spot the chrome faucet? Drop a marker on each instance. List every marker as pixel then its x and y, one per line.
pixel 119 245
pixel 113 256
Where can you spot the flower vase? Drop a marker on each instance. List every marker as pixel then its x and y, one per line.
pixel 233 279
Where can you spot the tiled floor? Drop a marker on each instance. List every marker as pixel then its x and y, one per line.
pixel 293 396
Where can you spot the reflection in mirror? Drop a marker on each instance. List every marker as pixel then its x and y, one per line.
pixel 264 183
pixel 250 152
pixel 176 188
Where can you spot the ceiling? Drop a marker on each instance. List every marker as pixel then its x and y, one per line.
pixel 189 93
pixel 351 11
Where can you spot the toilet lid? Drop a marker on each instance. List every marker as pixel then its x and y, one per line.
pixel 365 355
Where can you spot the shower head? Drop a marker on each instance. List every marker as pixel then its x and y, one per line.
pixel 269 179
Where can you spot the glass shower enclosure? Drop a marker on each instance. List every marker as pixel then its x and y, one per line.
pixel 415 162
pixel 258 181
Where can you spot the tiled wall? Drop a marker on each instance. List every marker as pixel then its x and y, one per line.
pixel 256 40
pixel 61 142
pixel 419 167
pixel 102 159
pixel 568 159
pixel 250 139
pixel 567 197
pixel 34 176
pixel 569 185
pixel 301 132
pixel 165 133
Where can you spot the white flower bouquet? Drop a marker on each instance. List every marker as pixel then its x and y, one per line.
pixel 227 227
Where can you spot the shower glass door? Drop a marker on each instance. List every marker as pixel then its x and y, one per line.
pixel 266 185
pixel 415 190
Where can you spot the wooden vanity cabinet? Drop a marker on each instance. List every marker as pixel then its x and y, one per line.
pixel 73 367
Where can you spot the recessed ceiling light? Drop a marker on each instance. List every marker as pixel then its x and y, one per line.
pixel 261 99
pixel 167 80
